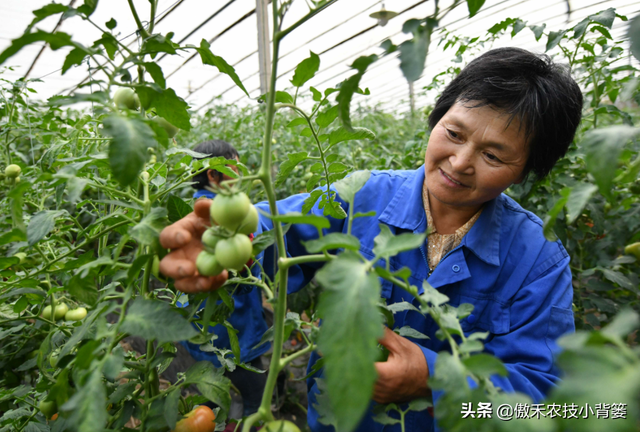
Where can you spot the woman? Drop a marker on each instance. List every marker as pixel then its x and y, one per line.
pixel 507 114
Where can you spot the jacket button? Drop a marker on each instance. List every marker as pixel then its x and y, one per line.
pixel 455 268
pixel 471 319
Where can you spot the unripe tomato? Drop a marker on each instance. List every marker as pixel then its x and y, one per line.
pixel 170 129
pixel 17 180
pixel 155 267
pixel 48 408
pixel 230 210
pixel 250 222
pixel 633 249
pixel 208 265
pixel 201 419
pixel 126 98
pixel 145 176
pixel 53 359
pixel 61 310
pixel 21 256
pixel 75 314
pixel 210 240
pixel 46 312
pixel 281 426
pixel 153 159
pixel 12 171
pixel 233 253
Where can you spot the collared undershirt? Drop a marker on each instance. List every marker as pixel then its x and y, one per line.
pixel 438 245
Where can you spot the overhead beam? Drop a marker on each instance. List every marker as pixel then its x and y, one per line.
pixel 264 49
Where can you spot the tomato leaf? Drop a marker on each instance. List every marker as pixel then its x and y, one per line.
pixel 177 208
pixel 349 186
pixel 306 70
pixel 603 148
pixel 74 58
pixel 55 40
pixel 41 224
pixel 287 166
pixel 154 319
pixel 343 134
pixel 299 218
pixel 212 384
pixel 332 241
pixel 387 244
pixel 350 86
pixel 128 149
pixel 156 73
pixel 87 406
pixel 167 104
pixel 325 118
pixel 350 315
pixel 14 235
pixel 474 6
pixel 171 404
pixel 209 58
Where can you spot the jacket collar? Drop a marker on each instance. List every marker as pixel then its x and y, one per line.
pixel 204 193
pixel 405 211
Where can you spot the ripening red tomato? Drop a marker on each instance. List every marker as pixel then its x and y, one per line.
pixel 201 419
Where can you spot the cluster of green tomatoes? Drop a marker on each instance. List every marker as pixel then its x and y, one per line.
pixel 226 243
pixel 63 311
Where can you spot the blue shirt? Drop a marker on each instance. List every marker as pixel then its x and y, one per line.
pixel 247 318
pixel 518 282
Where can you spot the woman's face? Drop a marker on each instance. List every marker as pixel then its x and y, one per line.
pixel 473 155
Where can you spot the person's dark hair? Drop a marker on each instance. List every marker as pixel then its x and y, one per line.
pixel 529 87
pixel 213 148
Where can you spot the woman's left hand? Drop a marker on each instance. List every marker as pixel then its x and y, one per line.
pixel 403 377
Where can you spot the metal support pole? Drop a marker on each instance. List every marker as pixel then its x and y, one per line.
pixel 264 50
pixel 412 99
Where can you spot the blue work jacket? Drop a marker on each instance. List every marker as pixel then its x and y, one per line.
pixel 247 318
pixel 518 282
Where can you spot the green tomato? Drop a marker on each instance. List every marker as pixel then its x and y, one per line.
pixel 633 249
pixel 46 312
pixel 12 171
pixel 233 253
pixel 75 314
pixel 21 256
pixel 145 176
pixel 153 159
pixel 170 129
pixel 281 426
pixel 210 240
pixel 48 408
pixel 155 267
pixel 53 359
pixel 126 98
pixel 250 222
pixel 61 310
pixel 208 265
pixel 229 211
pixel 17 180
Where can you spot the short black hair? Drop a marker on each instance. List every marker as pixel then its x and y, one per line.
pixel 541 94
pixel 212 148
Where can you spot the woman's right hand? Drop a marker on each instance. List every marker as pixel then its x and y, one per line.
pixel 183 238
